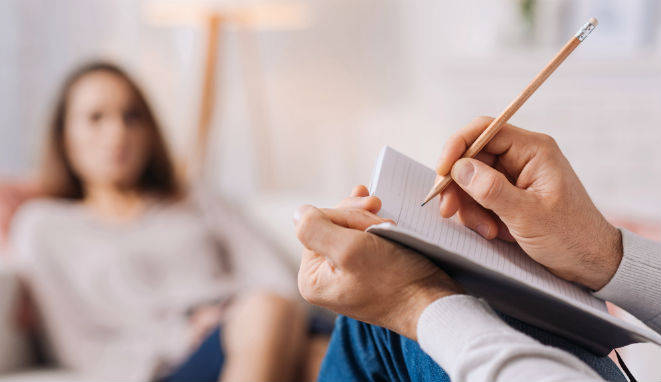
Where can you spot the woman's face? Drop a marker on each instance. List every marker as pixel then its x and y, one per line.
pixel 106 135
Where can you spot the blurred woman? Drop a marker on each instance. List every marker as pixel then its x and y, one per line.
pixel 132 279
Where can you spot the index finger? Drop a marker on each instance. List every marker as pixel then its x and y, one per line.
pixel 321 232
pixel 513 145
pixel 455 147
pixel 353 218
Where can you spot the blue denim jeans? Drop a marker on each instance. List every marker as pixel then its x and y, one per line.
pixel 204 364
pixel 364 352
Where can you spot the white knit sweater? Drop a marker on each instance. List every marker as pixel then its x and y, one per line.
pixel 114 297
pixel 466 337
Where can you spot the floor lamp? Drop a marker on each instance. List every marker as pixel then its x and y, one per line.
pixel 213 17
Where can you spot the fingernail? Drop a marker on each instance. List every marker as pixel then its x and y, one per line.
pixel 483 229
pixel 463 172
pixel 297 216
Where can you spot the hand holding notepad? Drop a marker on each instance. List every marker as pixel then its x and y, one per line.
pixel 496 270
pixel 352 272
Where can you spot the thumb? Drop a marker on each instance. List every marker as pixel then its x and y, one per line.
pixel 489 187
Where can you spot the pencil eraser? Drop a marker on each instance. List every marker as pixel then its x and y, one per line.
pixel 593 21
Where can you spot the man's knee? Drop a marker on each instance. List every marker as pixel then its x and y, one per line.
pixel 361 351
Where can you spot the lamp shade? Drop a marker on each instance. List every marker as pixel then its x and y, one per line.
pixel 256 14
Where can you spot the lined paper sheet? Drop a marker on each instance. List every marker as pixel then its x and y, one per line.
pixel 402 183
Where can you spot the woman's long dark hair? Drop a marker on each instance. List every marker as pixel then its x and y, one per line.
pixel 57 175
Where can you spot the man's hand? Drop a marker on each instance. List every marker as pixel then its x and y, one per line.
pixel 521 188
pixel 361 275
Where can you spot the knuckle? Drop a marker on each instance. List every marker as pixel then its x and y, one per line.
pixel 307 215
pixel 547 141
pixel 548 147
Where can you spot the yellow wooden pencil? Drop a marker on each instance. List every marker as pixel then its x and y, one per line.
pixel 443 181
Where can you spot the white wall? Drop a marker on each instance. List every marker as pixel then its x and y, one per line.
pixel 408 74
pixel 41 41
pixel 365 73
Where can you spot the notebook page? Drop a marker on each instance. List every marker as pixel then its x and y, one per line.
pixel 402 183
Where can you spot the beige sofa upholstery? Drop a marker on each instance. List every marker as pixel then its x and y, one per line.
pixel 13 344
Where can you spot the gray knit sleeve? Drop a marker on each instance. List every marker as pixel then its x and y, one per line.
pixel 636 285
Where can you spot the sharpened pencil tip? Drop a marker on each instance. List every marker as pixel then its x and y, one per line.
pixel 423 203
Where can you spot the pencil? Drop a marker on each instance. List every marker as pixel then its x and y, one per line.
pixel 494 127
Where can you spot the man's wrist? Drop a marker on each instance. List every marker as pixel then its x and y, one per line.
pixel 612 261
pixel 421 298
pixel 416 312
pixel 605 259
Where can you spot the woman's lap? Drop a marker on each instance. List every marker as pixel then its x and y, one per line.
pixel 363 352
pixel 206 362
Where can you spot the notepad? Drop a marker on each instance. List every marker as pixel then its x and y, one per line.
pixel 498 271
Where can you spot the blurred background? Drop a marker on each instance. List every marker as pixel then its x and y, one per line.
pixel 298 97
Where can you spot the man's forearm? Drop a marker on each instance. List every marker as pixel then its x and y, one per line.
pixel 467 338
pixel 636 285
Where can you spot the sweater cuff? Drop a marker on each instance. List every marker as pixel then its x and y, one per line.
pixel 450 323
pixel 636 285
